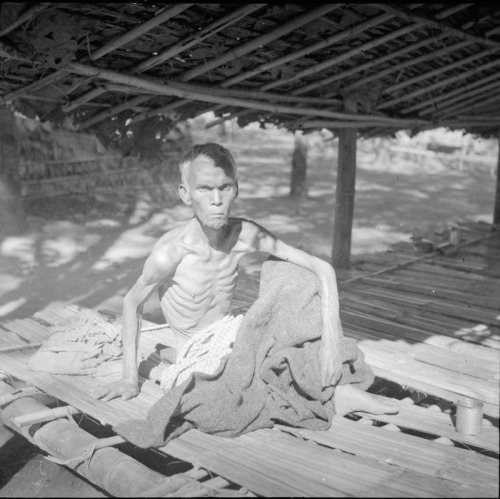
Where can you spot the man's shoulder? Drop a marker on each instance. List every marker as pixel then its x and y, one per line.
pixel 170 244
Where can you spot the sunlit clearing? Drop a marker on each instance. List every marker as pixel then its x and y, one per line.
pixel 8 283
pixel 103 222
pixel 9 307
pixel 379 238
pixel 132 244
pixel 20 248
pixel 64 249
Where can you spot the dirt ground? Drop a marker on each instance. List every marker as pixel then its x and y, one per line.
pixel 90 250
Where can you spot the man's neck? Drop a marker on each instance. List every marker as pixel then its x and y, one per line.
pixel 215 237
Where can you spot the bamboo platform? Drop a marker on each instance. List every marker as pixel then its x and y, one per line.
pixel 429 327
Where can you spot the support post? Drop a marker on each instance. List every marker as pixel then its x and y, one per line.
pixel 496 212
pixel 344 196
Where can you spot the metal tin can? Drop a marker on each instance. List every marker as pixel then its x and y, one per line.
pixel 469 416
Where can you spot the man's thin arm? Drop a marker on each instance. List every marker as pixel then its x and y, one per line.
pixel 263 240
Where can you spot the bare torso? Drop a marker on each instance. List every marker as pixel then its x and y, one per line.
pixel 201 289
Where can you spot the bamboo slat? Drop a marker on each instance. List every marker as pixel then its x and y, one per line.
pixel 438 423
pixel 408 452
pixel 271 464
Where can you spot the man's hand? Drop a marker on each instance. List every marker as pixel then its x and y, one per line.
pixel 329 363
pixel 124 389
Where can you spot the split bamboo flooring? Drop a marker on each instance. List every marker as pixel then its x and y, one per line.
pixel 429 325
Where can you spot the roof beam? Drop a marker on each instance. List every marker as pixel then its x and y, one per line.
pixel 24 17
pixel 440 15
pixel 239 94
pixel 239 51
pixel 179 47
pixel 435 24
pixel 443 69
pixel 381 60
pixel 261 40
pixel 340 58
pixel 195 94
pixel 406 64
pixel 143 28
pixel 316 68
pixel 36 85
pixel 472 104
pixel 198 37
pixel 280 61
pixel 441 83
pixel 460 94
pixel 161 17
pixel 362 124
pixel 338 37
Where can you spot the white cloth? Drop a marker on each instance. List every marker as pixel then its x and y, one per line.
pixel 202 353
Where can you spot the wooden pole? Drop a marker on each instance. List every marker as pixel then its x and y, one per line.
pixel 344 197
pixel 496 211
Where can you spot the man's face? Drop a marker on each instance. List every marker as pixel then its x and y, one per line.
pixel 210 191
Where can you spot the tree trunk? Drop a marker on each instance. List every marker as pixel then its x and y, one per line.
pixel 496 210
pixel 12 217
pixel 298 180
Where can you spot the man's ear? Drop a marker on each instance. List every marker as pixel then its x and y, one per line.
pixel 184 194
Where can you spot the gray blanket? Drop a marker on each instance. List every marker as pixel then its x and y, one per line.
pixel 271 376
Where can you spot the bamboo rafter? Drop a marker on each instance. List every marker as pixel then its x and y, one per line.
pixel 276 33
pixel 465 98
pixel 261 40
pixel 337 38
pixel 411 62
pixel 138 31
pixel 476 105
pixel 443 69
pixel 345 56
pixel 318 67
pixel 239 94
pixel 194 39
pixel 24 17
pixel 195 94
pixel 441 83
pixel 380 60
pixel 362 124
pixel 136 101
pixel 438 98
pixel 161 17
pixel 392 56
pixel 330 40
pixel 36 85
pixel 435 24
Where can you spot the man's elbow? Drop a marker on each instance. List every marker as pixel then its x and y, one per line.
pixel 130 303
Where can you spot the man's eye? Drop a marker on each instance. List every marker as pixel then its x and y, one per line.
pixel 226 187
pixel 202 189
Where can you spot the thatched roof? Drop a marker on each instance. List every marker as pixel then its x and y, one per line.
pixel 375 67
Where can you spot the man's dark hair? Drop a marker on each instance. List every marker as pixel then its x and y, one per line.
pixel 217 153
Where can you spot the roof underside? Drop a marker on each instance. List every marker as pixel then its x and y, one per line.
pixel 374 67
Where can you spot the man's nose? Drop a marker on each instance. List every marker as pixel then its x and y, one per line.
pixel 216 197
